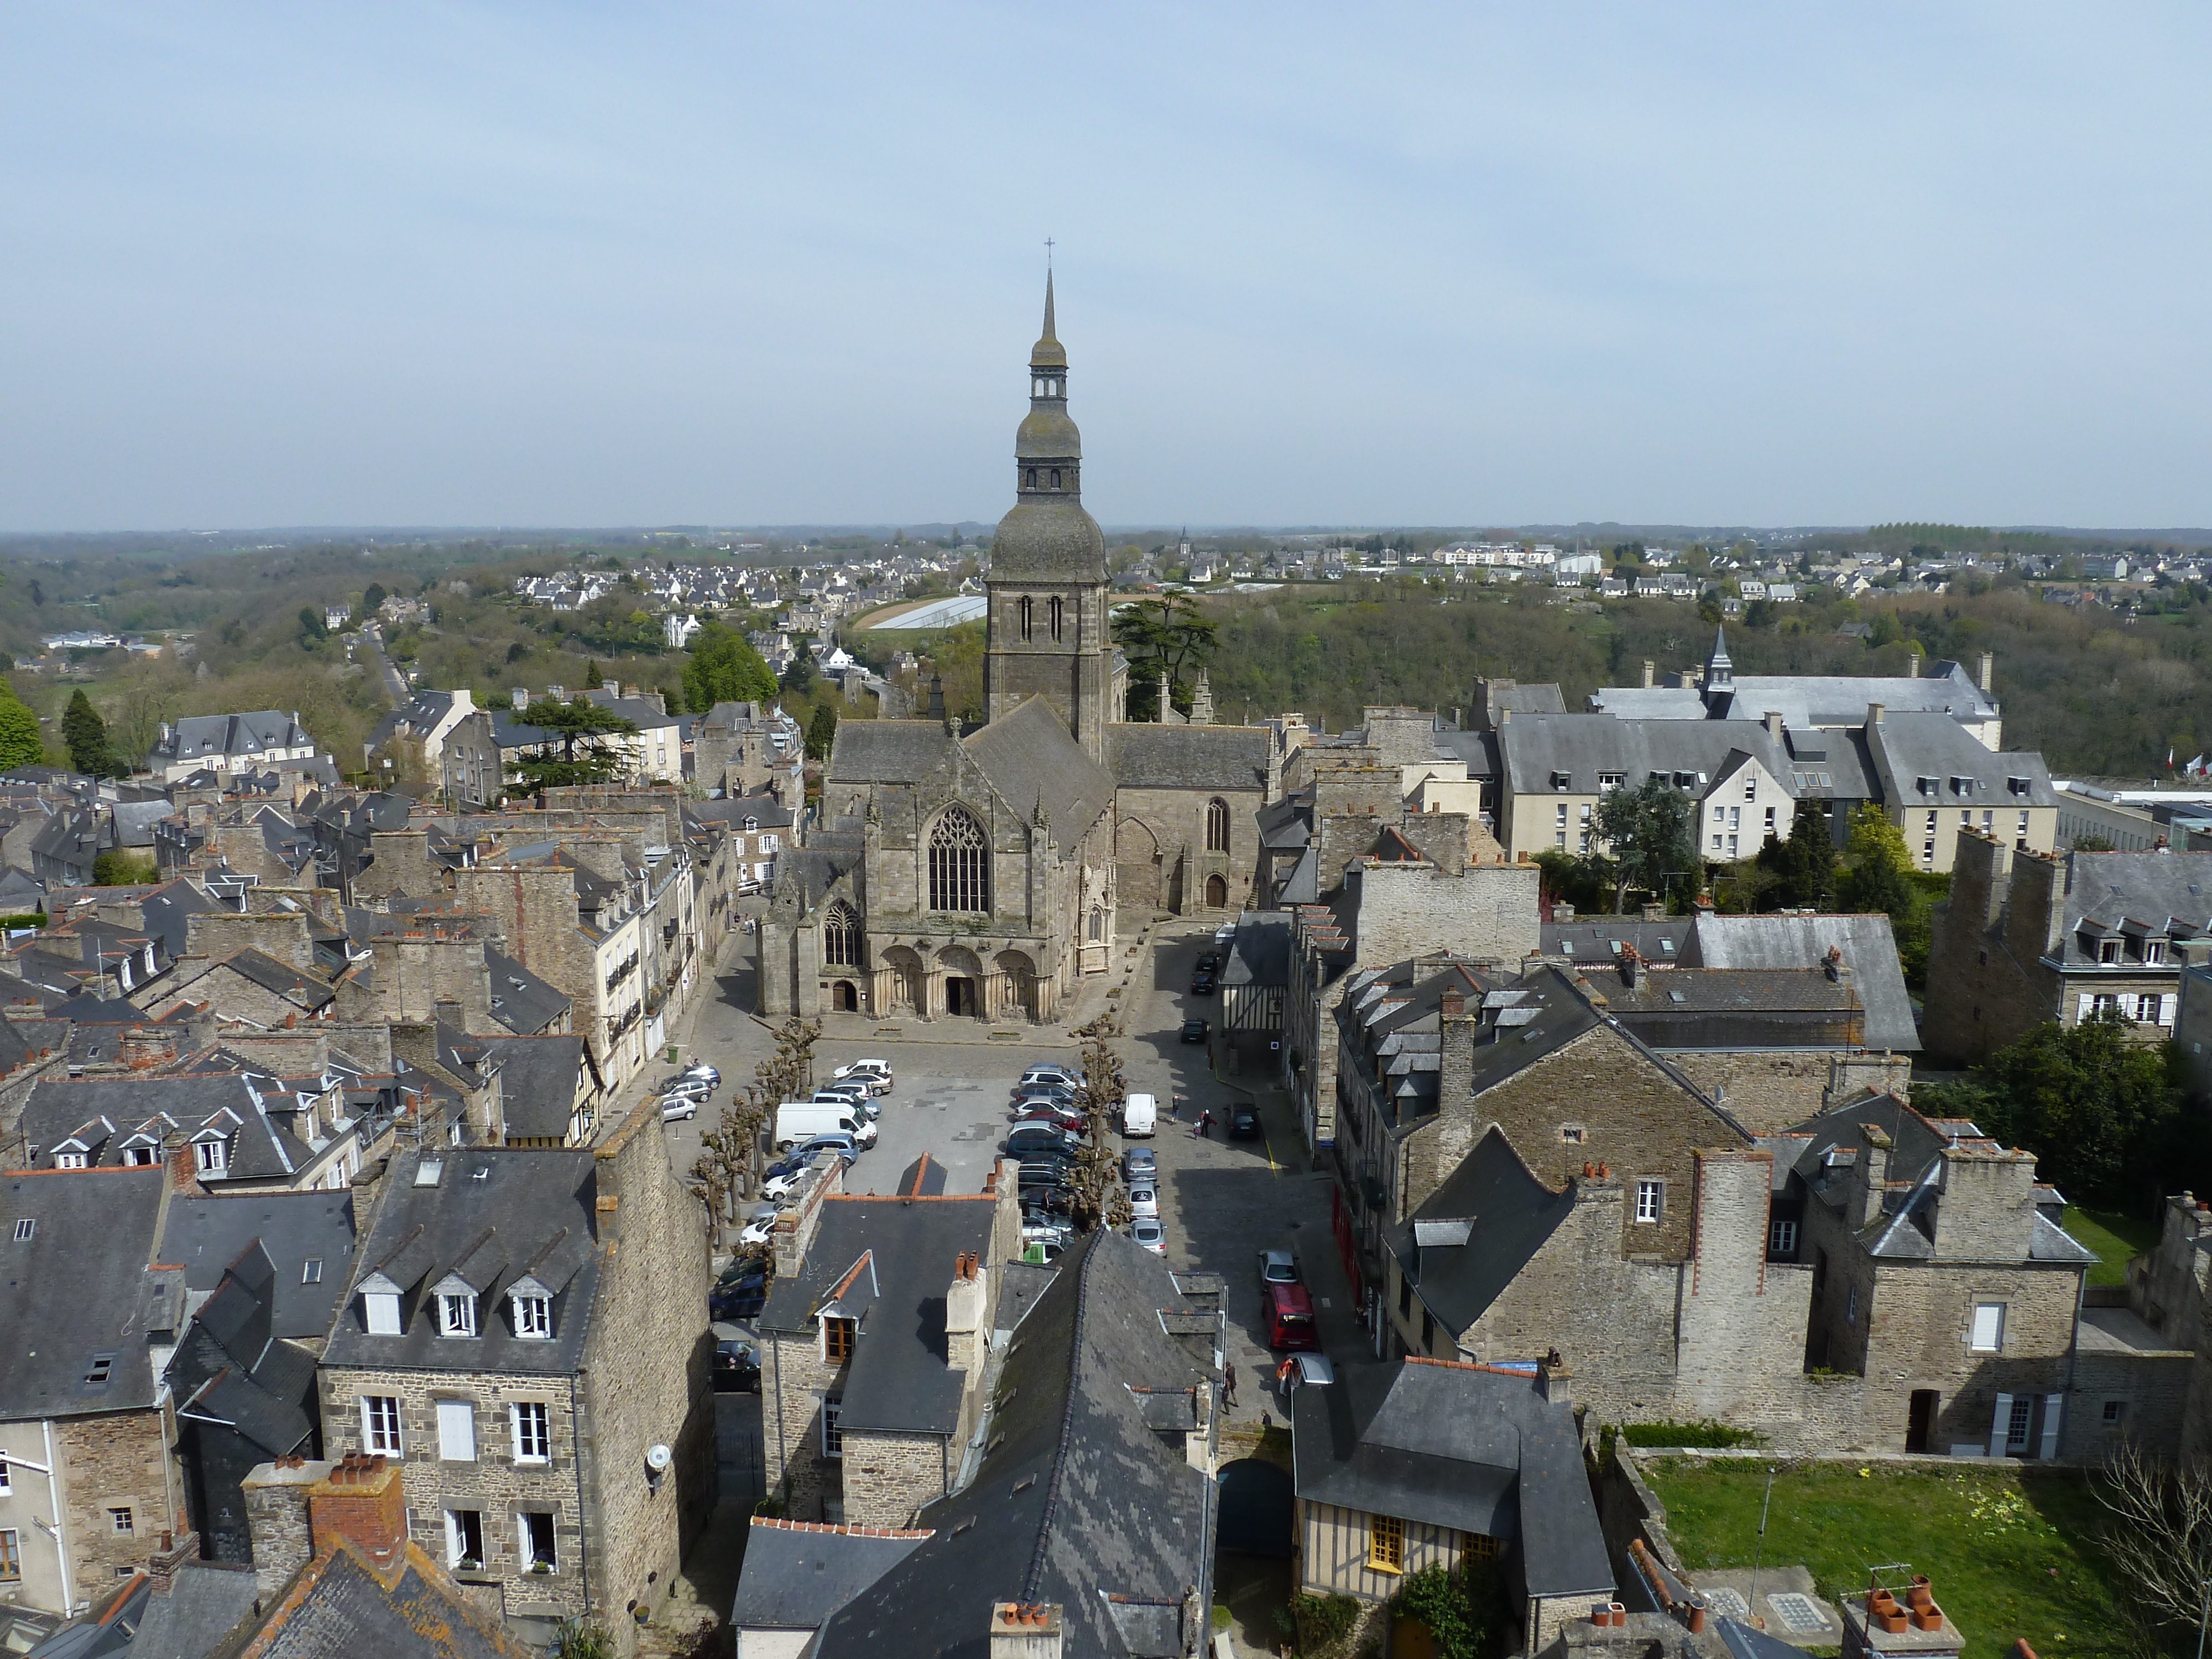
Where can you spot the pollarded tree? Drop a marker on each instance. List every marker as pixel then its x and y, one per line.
pixel 1652 829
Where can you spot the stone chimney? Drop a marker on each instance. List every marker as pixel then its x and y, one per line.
pixel 1872 1176
pixel 1452 1003
pixel 1023 1631
pixel 276 1514
pixel 1985 675
pixel 937 699
pixel 1562 911
pixel 1556 1380
pixel 1874 712
pixel 519 695
pixel 1774 724
pixel 1650 673
pixel 966 1305
pixel 1912 663
pixel 146 1047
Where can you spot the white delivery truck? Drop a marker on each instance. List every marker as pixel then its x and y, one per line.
pixel 1140 1116
pixel 795 1119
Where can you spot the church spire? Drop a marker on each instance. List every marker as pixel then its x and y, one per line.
pixel 1048 352
pixel 1720 674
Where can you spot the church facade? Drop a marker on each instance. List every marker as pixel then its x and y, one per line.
pixel 982 871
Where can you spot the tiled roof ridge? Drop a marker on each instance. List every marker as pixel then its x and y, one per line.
pixel 1032 1578
pixel 782 1525
pixel 1466 1366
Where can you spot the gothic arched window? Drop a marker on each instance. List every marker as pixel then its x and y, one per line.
pixel 1025 609
pixel 841 938
pixel 1032 478
pixel 1217 825
pixel 1054 611
pixel 959 863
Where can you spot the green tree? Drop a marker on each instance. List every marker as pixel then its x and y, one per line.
pixel 798 674
pixel 821 733
pixel 583 728
pixel 1652 829
pixel 116 868
pixel 1806 863
pixel 593 678
pixel 1170 632
pixel 722 666
pixel 86 734
pixel 1880 874
pixel 20 741
pixel 373 600
pixel 2099 1109
pixel 311 624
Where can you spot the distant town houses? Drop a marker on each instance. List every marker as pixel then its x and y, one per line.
pixel 228 743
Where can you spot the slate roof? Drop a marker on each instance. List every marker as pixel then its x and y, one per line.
pixel 1148 756
pixel 1903 749
pixel 1535 746
pixel 1459 1446
pixel 1735 1007
pixel 82 1282
pixel 232 1370
pixel 259 1146
pixel 1600 939
pixel 336 1608
pixel 525 1004
pixel 1513 1215
pixel 2169 891
pixel 294 985
pixel 1076 1499
pixel 533 1214
pixel 889 751
pixel 1870 951
pixel 898 1378
pixel 1808 700
pixel 204 736
pixel 204 1236
pixel 1261 954
pixel 536 1081
pixel 202 1604
pixel 797 1575
pixel 1028 755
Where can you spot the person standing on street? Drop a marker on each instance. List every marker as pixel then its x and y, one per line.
pixel 1229 1381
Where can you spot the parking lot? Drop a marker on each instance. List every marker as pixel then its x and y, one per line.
pixel 1221 1201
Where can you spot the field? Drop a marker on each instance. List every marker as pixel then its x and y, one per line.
pixel 2010 1556
pixel 2118 1239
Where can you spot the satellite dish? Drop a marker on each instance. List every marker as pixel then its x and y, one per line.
pixel 658 1459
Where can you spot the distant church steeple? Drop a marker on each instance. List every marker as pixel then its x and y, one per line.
pixel 1720 674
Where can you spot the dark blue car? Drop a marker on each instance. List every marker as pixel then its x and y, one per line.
pixel 740 1294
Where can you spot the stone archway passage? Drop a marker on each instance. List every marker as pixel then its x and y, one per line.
pixel 1255 1507
pixel 844 997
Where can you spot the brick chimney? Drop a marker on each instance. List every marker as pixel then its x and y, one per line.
pixel 147 1047
pixel 966 1304
pixel 1452 1003
pixel 298 1510
pixel 1632 967
pixel 1023 1631
pixel 161 1567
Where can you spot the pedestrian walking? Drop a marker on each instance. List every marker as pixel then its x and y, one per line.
pixel 1206 1124
pixel 1175 1107
pixel 1229 1380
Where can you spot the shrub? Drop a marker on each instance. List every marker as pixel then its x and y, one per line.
pixel 1706 1432
pixel 1318 1622
pixel 1465 1611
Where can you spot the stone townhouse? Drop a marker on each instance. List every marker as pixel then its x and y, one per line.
pixel 2166 1405
pixel 2027 936
pixel 87 1486
pixel 876 1340
pixel 1390 908
pixel 522 1335
pixel 747 749
pixel 654 753
pixel 1091 1500
pixel 1942 1281
pixel 759 829
pixel 228 742
pixel 1425 1463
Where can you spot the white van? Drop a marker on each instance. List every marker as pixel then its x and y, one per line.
pixel 1140 1116
pixel 795 1119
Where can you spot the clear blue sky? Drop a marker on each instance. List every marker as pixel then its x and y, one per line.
pixel 584 264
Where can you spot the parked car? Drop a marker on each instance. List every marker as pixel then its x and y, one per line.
pixel 1194 1030
pixel 1140 1116
pixel 1278 1267
pixel 701 1069
pixel 1051 1092
pixel 696 1087
pixel 1201 985
pixel 855 1098
pixel 1225 935
pixel 677 1109
pixel 1291 1318
pixel 842 1143
pixel 1026 1138
pixel 1043 1202
pixel 738 1298
pixel 784 1186
pixel 737 1368
pixel 1150 1235
pixel 1139 1163
pixel 1208 963
pixel 1044 1172
pixel 1062 1075
pixel 1059 1116
pixel 876 1073
pixel 1243 1121
pixel 1144 1203
pixel 759 1230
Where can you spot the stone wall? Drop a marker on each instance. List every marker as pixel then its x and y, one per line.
pixel 887 1477
pixel 1771 1089
pixel 794 1379
pixel 279 934
pixel 109 1461
pixel 1986 986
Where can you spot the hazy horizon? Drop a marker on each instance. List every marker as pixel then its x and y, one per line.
pixel 552 266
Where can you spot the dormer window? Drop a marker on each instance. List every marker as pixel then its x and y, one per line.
pixel 213 1156
pixel 70 1161
pixel 382 1308
pixel 457 1314
pixel 2154 950
pixel 837 1338
pixel 2108 950
pixel 533 1318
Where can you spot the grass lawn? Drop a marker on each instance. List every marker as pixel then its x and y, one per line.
pixel 2009 1555
pixel 2118 1239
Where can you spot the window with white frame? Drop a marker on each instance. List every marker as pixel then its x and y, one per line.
pixel 380 1424
pixel 213 1156
pixel 535 1530
pixel 7 1488
pixel 383 1309
pixel 1782 1238
pixel 529 1421
pixel 68 1160
pixel 1650 1198
pixel 464 1538
pixel 833 1433
pixel 1987 1334
pixel 457 1431
pixel 533 1316
pixel 11 1555
pixel 457 1314
pixel 119 1519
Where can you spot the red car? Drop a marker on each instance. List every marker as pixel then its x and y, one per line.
pixel 1291 1318
pixel 1059 1117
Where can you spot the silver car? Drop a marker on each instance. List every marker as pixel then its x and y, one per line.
pixel 1150 1235
pixel 1145 1202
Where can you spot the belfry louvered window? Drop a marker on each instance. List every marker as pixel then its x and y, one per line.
pixel 958 868
pixel 1055 610
pixel 1028 611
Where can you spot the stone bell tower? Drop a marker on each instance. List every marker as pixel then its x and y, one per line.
pixel 1046 631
